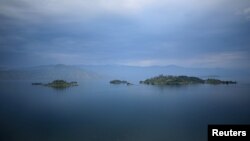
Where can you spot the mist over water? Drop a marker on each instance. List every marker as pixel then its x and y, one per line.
pixel 97 110
pixel 135 74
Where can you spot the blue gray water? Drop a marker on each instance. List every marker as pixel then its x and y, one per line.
pixel 99 111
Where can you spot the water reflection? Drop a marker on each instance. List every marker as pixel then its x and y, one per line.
pixel 98 111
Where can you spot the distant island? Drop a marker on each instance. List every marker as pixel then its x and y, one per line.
pixel 120 82
pixel 182 80
pixel 59 84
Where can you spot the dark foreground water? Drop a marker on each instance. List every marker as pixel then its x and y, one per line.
pixel 98 111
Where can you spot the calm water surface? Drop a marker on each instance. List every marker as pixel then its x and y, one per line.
pixel 99 111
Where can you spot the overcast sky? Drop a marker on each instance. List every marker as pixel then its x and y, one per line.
pixel 188 33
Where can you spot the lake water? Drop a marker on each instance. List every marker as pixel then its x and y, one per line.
pixel 99 111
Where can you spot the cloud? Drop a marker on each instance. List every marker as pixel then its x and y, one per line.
pixel 245 12
pixel 68 10
pixel 133 32
pixel 81 10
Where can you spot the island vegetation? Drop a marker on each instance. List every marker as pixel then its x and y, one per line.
pixel 120 82
pixel 59 84
pixel 182 80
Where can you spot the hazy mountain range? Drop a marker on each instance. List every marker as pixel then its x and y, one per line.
pixel 140 73
pixel 47 72
pixel 131 73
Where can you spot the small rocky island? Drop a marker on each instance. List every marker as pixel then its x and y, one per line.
pixel 58 84
pixel 182 80
pixel 120 82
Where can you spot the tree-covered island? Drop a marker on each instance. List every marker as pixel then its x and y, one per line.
pixel 120 82
pixel 182 80
pixel 59 84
